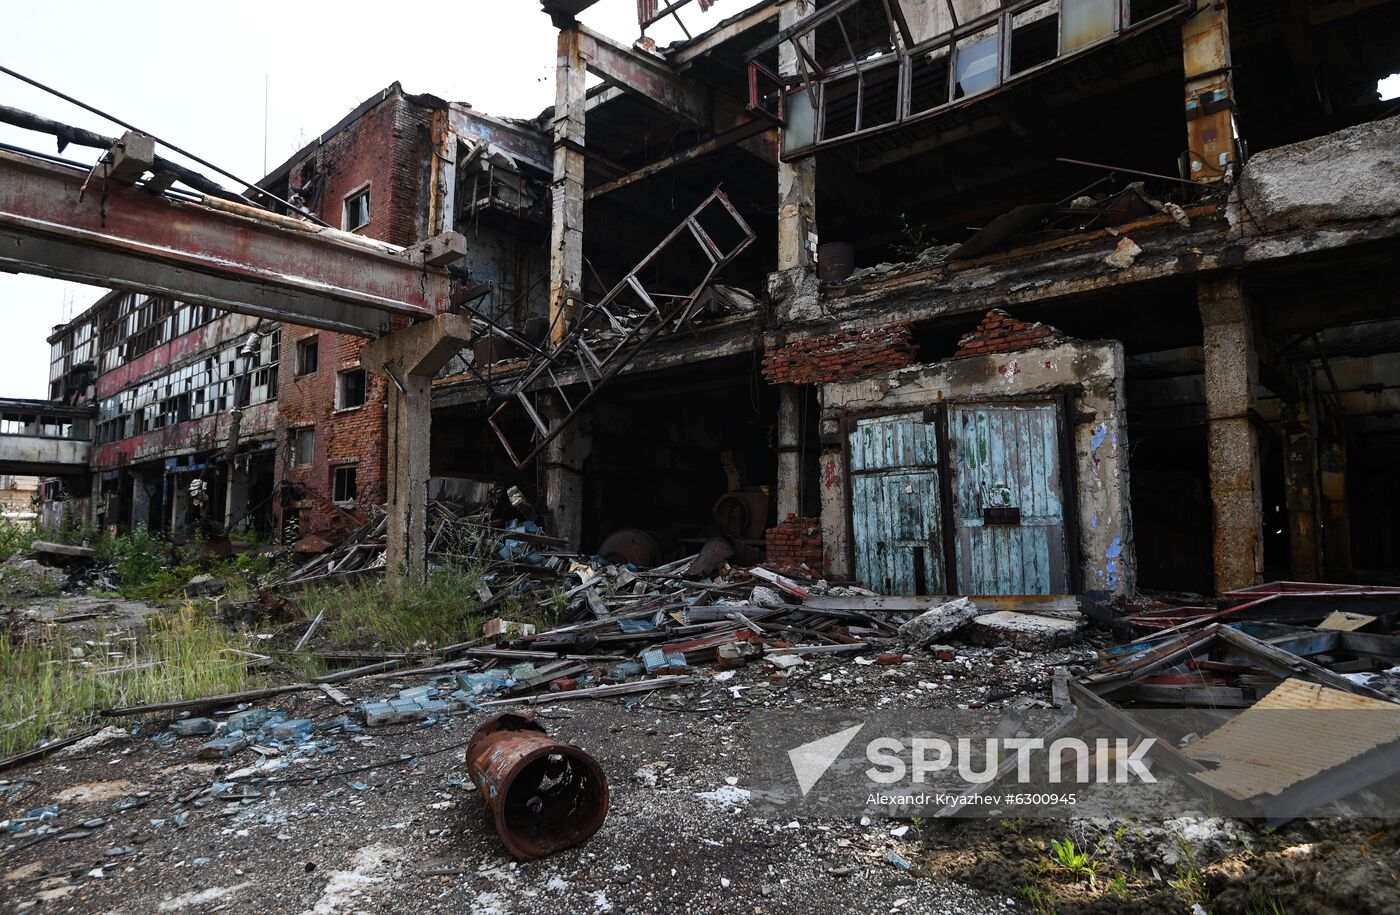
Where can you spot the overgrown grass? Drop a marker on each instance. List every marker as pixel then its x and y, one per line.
pixel 49 692
pixel 442 611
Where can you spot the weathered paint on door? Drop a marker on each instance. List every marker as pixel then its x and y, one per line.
pixel 896 508
pixel 1006 457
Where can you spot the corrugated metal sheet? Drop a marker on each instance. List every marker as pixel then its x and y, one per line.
pixel 1007 456
pixel 1298 730
pixel 896 507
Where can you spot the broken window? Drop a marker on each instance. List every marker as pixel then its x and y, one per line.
pixel 308 351
pixel 350 389
pixel 1084 22
pixel 977 63
pixel 356 210
pixel 1035 36
pixel 304 445
pixel 343 485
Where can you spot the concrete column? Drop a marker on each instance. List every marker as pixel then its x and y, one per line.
pixel 140 500
pixel 1210 92
pixel 442 205
pixel 236 498
pixel 566 221
pixel 789 456
pixel 409 438
pixel 410 358
pixel 561 472
pixel 1231 373
pixel 1336 516
pixel 1300 474
pixel 797 180
pixel 179 503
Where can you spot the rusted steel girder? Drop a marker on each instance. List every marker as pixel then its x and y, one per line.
pixel 243 260
pixel 541 795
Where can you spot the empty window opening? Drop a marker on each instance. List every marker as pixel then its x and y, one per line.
pixel 308 351
pixel 350 389
pixel 343 486
pixel 356 210
pixel 304 445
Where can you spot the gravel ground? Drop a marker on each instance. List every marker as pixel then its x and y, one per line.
pixel 137 832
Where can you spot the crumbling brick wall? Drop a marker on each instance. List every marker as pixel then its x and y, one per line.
pixel 387 147
pixel 795 542
pixel 1001 333
pixel 841 356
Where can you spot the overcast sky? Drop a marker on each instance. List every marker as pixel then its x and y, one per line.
pixel 193 74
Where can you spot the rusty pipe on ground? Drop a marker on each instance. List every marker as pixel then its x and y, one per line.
pixel 541 795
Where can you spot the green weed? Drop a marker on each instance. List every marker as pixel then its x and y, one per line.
pixel 1076 862
pixel 52 691
pixel 441 611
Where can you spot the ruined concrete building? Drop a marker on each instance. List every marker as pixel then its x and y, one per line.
pixel 281 422
pixel 1033 297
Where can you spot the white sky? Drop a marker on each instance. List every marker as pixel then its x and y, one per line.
pixel 193 74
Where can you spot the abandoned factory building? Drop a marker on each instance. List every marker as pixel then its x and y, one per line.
pixel 945 297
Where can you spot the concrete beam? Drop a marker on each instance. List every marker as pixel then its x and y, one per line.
pixel 410 357
pixel 789 452
pixel 1232 372
pixel 235 258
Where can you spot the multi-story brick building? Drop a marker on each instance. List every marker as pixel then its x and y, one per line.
pixel 280 424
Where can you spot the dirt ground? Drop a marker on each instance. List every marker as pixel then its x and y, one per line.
pixel 386 821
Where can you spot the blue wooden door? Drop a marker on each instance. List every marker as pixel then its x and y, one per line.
pixel 896 507
pixel 1009 535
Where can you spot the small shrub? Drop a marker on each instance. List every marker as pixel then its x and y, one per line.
pixel 138 560
pixel 15 537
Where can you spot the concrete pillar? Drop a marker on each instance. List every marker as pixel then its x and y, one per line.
pixel 797 180
pixel 442 205
pixel 409 438
pixel 236 498
pixel 789 453
pixel 566 221
pixel 179 503
pixel 140 500
pixel 1210 92
pixel 1336 515
pixel 561 472
pixel 1231 373
pixel 1300 474
pixel 410 358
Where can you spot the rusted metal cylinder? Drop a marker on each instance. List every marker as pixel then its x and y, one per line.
pixel 541 795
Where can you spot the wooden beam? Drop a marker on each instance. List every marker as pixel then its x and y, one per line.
pixel 728 138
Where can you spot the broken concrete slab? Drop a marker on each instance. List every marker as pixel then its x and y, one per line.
pixel 1024 631
pixel 61 553
pixel 937 622
pixel 1348 175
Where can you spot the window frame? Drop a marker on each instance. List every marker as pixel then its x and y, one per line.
pixel 340 378
pixel 297 434
pixel 336 476
pixel 346 201
pixel 311 344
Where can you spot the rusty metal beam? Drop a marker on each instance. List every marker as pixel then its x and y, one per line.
pixel 235 258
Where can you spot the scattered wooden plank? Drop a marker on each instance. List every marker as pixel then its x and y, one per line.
pixel 20 759
pixel 205 701
pixel 310 631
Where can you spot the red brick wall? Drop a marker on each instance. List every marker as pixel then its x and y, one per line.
pixel 388 147
pixel 795 542
pixel 841 356
pixel 1001 333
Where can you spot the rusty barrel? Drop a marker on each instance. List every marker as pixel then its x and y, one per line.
pixel 541 795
